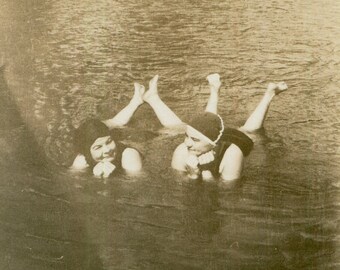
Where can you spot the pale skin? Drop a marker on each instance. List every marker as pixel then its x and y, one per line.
pixel 103 149
pixel 196 149
pixel 131 159
pixel 193 151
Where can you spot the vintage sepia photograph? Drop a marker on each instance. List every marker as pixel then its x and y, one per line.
pixel 169 135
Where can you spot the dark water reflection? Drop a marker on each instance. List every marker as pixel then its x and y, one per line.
pixel 68 61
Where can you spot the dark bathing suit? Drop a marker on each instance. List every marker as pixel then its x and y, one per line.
pixel 116 135
pixel 118 158
pixel 229 136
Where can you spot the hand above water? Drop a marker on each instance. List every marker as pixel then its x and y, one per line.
pixel 206 158
pixel 192 167
pixel 103 169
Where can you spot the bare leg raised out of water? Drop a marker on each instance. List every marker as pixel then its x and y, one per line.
pixel 124 116
pixel 214 86
pixel 165 115
pixel 232 162
pixel 257 118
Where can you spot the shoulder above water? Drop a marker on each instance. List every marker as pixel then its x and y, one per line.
pixel 131 160
pixel 79 163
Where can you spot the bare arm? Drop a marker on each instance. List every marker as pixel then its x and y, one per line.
pixel 131 160
pixel 232 163
pixel 180 157
pixel 79 163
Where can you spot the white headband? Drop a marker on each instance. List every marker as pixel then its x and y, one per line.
pixel 221 131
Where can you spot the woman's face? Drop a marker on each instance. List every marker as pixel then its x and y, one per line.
pixel 196 142
pixel 103 148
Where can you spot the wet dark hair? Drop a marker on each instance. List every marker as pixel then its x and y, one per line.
pixel 86 134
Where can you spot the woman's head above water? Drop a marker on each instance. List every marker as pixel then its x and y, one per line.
pixel 94 141
pixel 203 132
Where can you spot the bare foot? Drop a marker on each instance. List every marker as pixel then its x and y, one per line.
pixel 214 82
pixel 139 92
pixel 277 88
pixel 152 92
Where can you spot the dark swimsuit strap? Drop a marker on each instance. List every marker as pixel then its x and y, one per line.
pixel 118 159
pixel 229 136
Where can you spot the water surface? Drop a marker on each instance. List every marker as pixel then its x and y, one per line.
pixel 66 62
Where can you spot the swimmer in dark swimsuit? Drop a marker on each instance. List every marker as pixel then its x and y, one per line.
pixel 97 147
pixel 210 149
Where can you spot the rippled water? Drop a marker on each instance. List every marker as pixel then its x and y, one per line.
pixel 67 61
